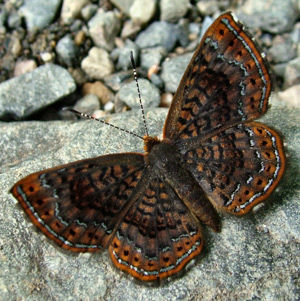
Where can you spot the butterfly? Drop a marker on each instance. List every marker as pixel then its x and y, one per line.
pixel 146 209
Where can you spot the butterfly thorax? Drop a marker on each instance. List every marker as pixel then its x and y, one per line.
pixel 162 153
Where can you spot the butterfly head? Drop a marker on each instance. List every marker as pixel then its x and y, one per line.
pixel 149 142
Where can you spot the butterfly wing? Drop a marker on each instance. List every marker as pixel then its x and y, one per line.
pixel 237 168
pixel 226 82
pixel 158 236
pixel 78 205
pixel 238 163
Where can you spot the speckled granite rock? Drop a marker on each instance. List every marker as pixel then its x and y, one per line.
pixel 39 13
pixel 21 96
pixel 254 257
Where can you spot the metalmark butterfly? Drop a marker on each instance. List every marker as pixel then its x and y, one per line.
pixel 146 208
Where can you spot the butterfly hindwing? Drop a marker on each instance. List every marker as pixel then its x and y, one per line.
pixel 78 204
pixel 158 236
pixel 226 82
pixel 239 167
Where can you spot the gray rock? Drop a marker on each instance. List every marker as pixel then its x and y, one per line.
pixel 172 71
pixel 3 17
pixel 89 11
pixel 15 45
pixel 266 39
pixel 97 64
pixel 123 5
pixel 275 16
pixel 116 80
pixel 14 20
pixel 152 56
pixel 158 34
pixel 87 104
pixel 279 69
pixel 208 7
pixel 66 50
pixel 123 54
pixel 205 24
pixel 156 80
pixel 71 9
pixel 183 32
pixel 173 10
pixel 295 34
pixel 39 13
pixel 77 25
pixel 142 11
pixel 128 94
pixel 292 73
pixel 23 95
pixel 129 29
pixel 254 257
pixel 282 50
pixel 104 27
pixel 290 96
pixel 195 28
pixel 192 45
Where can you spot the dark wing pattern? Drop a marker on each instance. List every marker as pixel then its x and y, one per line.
pixel 226 82
pixel 237 168
pixel 78 205
pixel 158 235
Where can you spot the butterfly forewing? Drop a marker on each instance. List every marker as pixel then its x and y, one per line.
pixel 157 236
pixel 226 82
pixel 78 204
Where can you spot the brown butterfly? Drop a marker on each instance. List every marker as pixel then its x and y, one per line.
pixel 146 208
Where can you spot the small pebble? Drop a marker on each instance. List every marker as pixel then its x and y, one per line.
pixel 24 66
pixel 89 11
pixel 66 50
pixel 99 89
pixel 108 107
pixel 71 9
pixel 97 64
pixel 166 99
pixel 87 104
pixel 47 57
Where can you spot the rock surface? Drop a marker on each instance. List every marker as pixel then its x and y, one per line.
pixel 254 257
pixel 274 16
pixel 173 70
pixel 97 64
pixel 128 94
pixel 39 13
pixel 21 96
pixel 173 10
pixel 103 28
pixel 158 34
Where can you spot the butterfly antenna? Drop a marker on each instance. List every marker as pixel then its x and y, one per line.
pixel 102 121
pixel 138 89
